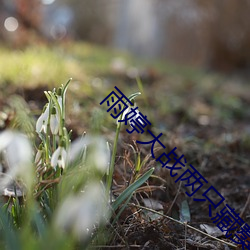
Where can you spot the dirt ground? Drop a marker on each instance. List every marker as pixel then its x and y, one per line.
pixel 207 118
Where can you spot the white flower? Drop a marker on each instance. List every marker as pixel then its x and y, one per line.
pixel 77 148
pixel 101 155
pixel 54 121
pixel 59 99
pixel 39 154
pixel 79 214
pixel 98 152
pixel 126 112
pixel 59 158
pixel 17 152
pixel 42 122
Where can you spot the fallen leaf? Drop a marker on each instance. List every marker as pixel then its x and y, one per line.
pixel 211 230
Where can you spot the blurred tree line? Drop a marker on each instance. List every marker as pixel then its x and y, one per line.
pixel 214 34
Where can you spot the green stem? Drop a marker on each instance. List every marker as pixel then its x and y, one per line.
pixel 59 111
pixel 47 140
pixel 54 142
pixel 65 87
pixel 112 164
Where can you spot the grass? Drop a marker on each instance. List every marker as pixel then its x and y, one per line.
pixel 32 66
pixel 42 64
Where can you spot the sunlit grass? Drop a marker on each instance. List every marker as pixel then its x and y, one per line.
pixel 37 65
pixel 41 64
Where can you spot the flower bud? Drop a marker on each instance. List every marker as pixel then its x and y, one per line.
pixel 54 121
pixel 42 121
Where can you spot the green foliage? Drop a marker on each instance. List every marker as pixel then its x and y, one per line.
pixel 118 127
pixel 132 188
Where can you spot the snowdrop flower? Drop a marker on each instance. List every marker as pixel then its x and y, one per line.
pixel 59 157
pixel 17 152
pixel 59 97
pixel 77 148
pixel 98 154
pixel 79 214
pixel 42 122
pixel 101 155
pixel 129 109
pixel 54 121
pixel 39 154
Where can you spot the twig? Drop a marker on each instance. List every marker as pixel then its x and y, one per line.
pixel 183 223
pixel 242 214
pixel 117 246
pixel 49 185
pixel 177 193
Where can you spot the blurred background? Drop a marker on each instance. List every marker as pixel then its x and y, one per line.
pixel 212 34
pixel 193 59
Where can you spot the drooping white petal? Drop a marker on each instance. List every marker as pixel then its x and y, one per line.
pixel 39 123
pixel 80 213
pixel 59 99
pixel 18 151
pixel 54 124
pixel 5 139
pixel 136 116
pixel 38 156
pixel 55 156
pixel 18 156
pixel 101 155
pixel 98 154
pixel 77 148
pixel 42 121
pixel 44 127
pixel 46 112
pixel 59 157
pixel 127 111
pixel 63 158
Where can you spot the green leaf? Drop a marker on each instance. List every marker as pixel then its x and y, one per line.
pixel 39 222
pixel 65 87
pixel 133 96
pixel 138 163
pixel 185 212
pixel 128 191
pixel 122 209
pixel 11 237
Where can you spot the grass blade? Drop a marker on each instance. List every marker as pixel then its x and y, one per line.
pixel 128 191
pixel 11 239
pixel 134 95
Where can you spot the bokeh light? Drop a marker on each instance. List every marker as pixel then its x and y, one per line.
pixel 11 24
pixel 58 31
pixel 48 2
